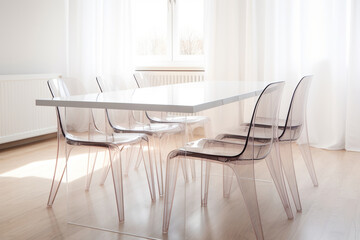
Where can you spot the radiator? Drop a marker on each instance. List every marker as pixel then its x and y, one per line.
pixel 158 78
pixel 20 118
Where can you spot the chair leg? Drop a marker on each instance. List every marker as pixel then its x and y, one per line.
pixel 227 180
pixel 181 143
pixel 184 168
pixel 115 162
pixel 106 169
pixel 288 166
pixel 138 161
pixel 90 168
pixel 192 166
pixel 170 185
pixel 128 160
pixel 149 171
pixel 161 166
pixel 158 163
pixel 205 179
pixel 306 154
pixel 245 176
pixel 274 165
pixel 192 161
pixel 60 166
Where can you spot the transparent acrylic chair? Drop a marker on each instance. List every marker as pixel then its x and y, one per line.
pixel 291 129
pixel 192 122
pixel 235 157
pixel 68 138
pixel 156 132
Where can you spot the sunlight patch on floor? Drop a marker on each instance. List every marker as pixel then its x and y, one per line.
pixel 45 168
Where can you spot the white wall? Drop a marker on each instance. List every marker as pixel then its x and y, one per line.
pixel 32 36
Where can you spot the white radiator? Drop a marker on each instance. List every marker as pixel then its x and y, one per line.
pixel 20 118
pixel 158 78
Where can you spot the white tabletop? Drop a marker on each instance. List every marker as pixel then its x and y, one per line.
pixel 185 98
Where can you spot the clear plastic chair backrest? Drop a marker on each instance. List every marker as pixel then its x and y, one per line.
pixel 58 88
pixel 121 119
pixel 297 111
pixel 143 82
pixel 75 123
pixel 259 140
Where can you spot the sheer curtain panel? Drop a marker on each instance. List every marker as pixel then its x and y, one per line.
pixel 280 40
pixel 99 43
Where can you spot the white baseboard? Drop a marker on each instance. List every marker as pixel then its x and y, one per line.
pixel 29 134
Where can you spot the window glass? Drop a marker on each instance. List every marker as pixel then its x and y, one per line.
pixel 168 31
pixel 150 26
pixel 190 27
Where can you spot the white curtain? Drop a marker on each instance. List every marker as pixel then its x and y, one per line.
pixel 275 40
pixel 99 42
pixel 352 133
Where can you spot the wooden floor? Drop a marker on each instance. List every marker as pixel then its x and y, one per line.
pixel 330 211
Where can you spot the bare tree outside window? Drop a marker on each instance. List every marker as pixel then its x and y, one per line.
pixel 150 28
pixel 190 22
pixel 151 46
pixel 191 44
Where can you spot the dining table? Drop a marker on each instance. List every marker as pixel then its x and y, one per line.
pixel 144 218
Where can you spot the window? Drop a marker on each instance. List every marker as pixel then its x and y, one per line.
pixel 168 32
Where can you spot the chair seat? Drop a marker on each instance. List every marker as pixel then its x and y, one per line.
pixel 213 147
pixel 100 139
pixel 181 119
pixel 222 150
pixel 151 128
pixel 240 134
